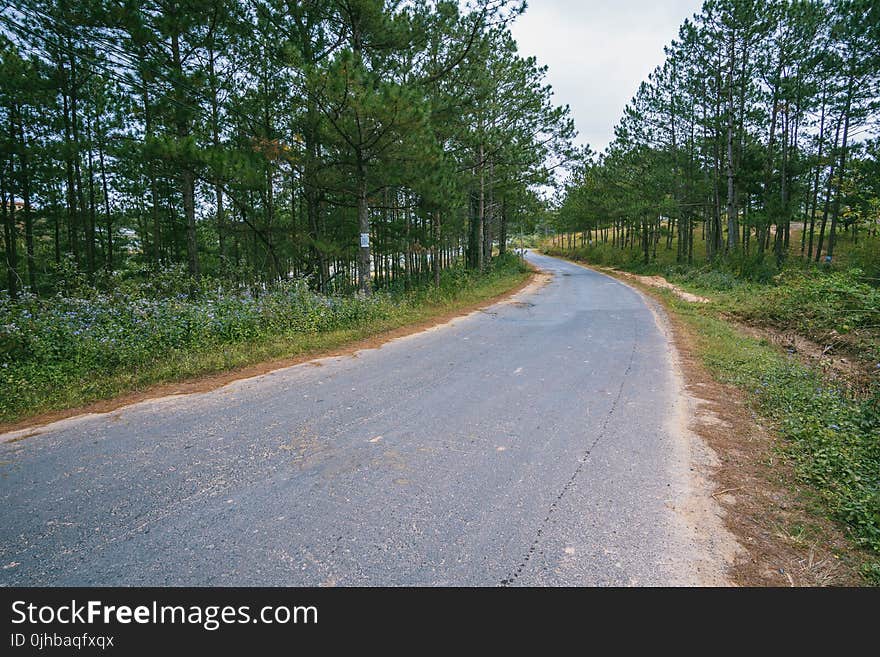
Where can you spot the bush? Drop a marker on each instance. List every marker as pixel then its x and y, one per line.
pixel 606 255
pixel 866 257
pixel 815 302
pixel 705 278
pixel 755 267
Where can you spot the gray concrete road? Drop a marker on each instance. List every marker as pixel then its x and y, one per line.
pixel 532 443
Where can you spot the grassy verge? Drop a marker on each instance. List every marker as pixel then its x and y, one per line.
pixel 107 362
pixel 831 438
pixel 830 435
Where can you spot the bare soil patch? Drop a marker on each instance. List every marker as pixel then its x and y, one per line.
pixel 655 281
pixel 855 374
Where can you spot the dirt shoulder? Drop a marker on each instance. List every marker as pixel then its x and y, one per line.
pixel 784 540
pixel 656 282
pixel 31 426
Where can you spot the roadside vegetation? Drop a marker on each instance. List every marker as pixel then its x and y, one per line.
pixel 831 436
pixel 830 427
pixel 66 351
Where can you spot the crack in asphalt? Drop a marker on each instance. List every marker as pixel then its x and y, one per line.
pixel 513 576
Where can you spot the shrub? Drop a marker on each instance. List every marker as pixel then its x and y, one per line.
pixel 815 302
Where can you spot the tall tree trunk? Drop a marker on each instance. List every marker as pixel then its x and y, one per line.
pixel 364 279
pixel 218 188
pixel 187 177
pixel 490 217
pixel 435 258
pixel 481 218
pixel 150 164
pixel 311 192
pixel 768 170
pixel 70 186
pixel 108 217
pixel 294 236
pixel 270 182
pixel 732 221
pixel 819 167
pixel 841 171
pixel 24 159
pixel 782 219
pixel 90 225
pixel 77 167
pixel 502 232
pixel 9 236
pixel 56 228
pixel 827 205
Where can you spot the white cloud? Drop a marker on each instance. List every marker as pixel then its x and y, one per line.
pixel 598 51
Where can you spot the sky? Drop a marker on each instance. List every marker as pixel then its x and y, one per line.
pixel 598 51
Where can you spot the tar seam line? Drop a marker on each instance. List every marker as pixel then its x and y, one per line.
pixel 511 578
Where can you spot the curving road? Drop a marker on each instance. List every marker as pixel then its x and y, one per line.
pixel 535 442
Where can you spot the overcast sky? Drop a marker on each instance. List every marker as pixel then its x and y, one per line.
pixel 598 52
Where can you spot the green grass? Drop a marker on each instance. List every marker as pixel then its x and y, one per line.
pixel 58 365
pixel 832 438
pixel 835 309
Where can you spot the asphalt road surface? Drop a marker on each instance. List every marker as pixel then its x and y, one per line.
pixel 530 443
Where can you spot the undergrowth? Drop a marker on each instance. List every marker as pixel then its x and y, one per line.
pixel 68 350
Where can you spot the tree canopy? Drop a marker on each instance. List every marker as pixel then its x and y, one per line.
pixel 355 143
pixel 757 119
